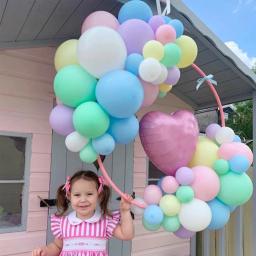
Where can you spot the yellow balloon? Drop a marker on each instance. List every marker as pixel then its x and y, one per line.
pixel 205 154
pixel 66 54
pixel 188 51
pixel 165 87
pixel 153 49
pixel 170 205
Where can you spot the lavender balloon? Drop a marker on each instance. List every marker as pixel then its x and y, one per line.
pixel 211 130
pixel 173 76
pixel 61 120
pixel 184 233
pixel 135 34
pixel 184 176
pixel 156 21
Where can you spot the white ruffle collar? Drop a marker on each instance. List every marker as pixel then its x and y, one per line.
pixel 74 220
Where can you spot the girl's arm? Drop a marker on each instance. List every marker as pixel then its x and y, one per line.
pixel 52 249
pixel 125 230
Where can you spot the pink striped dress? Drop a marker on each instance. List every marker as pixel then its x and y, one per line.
pixel 84 237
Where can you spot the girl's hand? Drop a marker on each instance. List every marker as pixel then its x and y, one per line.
pixel 125 204
pixel 39 252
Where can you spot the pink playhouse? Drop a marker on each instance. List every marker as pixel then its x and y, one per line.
pixel 34 159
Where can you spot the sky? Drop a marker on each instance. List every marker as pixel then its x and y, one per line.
pixel 233 21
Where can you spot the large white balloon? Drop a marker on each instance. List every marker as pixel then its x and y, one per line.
pixel 100 50
pixel 75 141
pixel 195 215
pixel 163 75
pixel 224 135
pixel 150 69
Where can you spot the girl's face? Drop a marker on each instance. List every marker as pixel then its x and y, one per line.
pixel 83 198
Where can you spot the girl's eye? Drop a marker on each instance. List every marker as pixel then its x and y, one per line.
pixel 76 195
pixel 89 194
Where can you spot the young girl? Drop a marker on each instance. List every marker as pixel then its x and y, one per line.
pixel 85 231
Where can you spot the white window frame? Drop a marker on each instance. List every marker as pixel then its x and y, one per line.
pixel 25 181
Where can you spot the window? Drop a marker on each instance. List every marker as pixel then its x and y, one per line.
pixel 154 174
pixel 13 183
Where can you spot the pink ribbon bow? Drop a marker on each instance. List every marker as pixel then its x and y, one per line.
pixel 66 187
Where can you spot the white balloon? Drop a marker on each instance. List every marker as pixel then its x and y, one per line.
pixel 150 69
pixel 195 215
pixel 137 210
pixel 75 141
pixel 163 75
pixel 224 135
pixel 100 50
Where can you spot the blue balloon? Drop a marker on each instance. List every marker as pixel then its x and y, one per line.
pixel 232 208
pixel 132 63
pixel 167 19
pixel 104 145
pixel 124 130
pixel 239 164
pixel 220 214
pixel 135 10
pixel 237 139
pixel 153 215
pixel 150 227
pixel 178 26
pixel 120 93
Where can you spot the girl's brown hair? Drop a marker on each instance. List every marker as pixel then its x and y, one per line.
pixel 104 197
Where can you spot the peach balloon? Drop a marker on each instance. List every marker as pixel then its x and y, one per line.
pixel 100 18
pixel 152 194
pixel 169 184
pixel 206 184
pixel 150 93
pixel 165 34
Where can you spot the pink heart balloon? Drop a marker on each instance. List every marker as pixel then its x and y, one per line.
pixel 169 140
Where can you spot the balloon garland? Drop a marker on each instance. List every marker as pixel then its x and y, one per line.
pixel 119 66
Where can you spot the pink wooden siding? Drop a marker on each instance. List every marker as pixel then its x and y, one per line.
pixel 158 243
pixel 26 99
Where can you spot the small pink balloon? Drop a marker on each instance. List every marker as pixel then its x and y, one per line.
pixel 206 184
pixel 100 18
pixel 228 150
pixel 152 194
pixel 169 184
pixel 166 34
pixel 150 93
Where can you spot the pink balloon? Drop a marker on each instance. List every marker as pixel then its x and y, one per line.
pixel 169 140
pixel 100 18
pixel 169 184
pixel 206 184
pixel 152 194
pixel 165 34
pixel 228 150
pixel 150 93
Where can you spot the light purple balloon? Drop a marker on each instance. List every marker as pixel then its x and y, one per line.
pixel 173 76
pixel 184 233
pixel 211 130
pixel 184 176
pixel 135 34
pixel 61 120
pixel 156 21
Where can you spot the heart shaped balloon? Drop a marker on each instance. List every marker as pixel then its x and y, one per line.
pixel 169 140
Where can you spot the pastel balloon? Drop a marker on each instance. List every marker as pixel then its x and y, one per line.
pixel 224 135
pixel 150 227
pixel 195 215
pixel 153 215
pixel 162 77
pixel 206 184
pixel 235 189
pixel 66 54
pixel 185 176
pixel 211 130
pixel 132 63
pixel 153 49
pixel 184 233
pixel 100 18
pixel 165 34
pixel 220 214
pixel 104 145
pixel 173 76
pixel 237 139
pixel 88 154
pixel 156 21
pixel 221 166
pixel 171 224
pixel 135 10
pixel 178 26
pixel 239 164
pixel 150 69
pixel 90 120
pixel 185 194
pixel 61 120
pixel 73 85
pixel 167 19
pixel 120 93
pixel 205 153
pixel 170 205
pixel 130 30
pixel 138 211
pixel 101 50
pixel 150 93
pixel 75 141
pixel 228 150
pixel 165 87
pixel 188 51
pixel 165 139
pixel 169 184
pixel 172 55
pixel 152 194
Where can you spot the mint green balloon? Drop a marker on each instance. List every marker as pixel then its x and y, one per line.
pixel 90 119
pixel 171 224
pixel 172 55
pixel 73 85
pixel 185 194
pixel 88 154
pixel 150 227
pixel 235 189
pixel 221 166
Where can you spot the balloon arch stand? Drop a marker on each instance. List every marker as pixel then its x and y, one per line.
pixel 109 74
